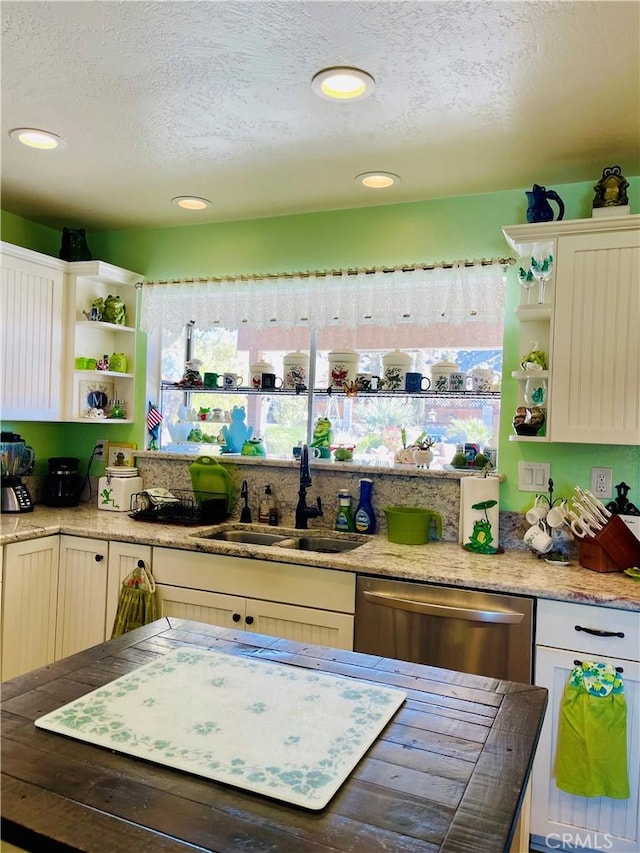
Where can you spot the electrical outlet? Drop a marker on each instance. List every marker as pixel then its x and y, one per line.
pixel 602 482
pixel 100 448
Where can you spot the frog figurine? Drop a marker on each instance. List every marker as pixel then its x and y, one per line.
pixel 114 311
pixel 253 447
pixel 237 433
pixel 322 437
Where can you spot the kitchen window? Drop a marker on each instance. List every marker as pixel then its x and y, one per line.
pixel 454 314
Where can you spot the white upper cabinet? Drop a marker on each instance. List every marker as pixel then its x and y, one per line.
pixel 50 344
pixel 31 311
pixel 593 327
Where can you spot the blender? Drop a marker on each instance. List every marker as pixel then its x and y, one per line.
pixel 17 459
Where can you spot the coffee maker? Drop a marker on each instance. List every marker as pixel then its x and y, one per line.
pixel 17 460
pixel 63 483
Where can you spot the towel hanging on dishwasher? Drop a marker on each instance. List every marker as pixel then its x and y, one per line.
pixel 591 752
pixel 137 604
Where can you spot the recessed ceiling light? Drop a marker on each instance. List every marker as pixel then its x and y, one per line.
pixel 34 138
pixel 191 202
pixel 343 84
pixel 377 180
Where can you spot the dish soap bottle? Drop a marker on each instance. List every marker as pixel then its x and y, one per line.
pixel 344 519
pixel 267 504
pixel 365 517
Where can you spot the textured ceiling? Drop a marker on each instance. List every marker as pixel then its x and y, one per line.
pixel 159 99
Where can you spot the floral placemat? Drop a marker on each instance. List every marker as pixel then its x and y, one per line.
pixel 279 730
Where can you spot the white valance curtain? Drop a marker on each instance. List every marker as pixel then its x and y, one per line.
pixel 454 294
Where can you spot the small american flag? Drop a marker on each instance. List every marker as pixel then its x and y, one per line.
pixel 154 417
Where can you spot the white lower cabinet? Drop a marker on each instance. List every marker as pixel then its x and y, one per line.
pixel 302 603
pixel 60 595
pixel 29 605
pixel 567 633
pixel 82 594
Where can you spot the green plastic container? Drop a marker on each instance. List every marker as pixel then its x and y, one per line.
pixel 410 525
pixel 209 479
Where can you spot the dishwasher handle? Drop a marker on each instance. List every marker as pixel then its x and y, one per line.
pixel 510 617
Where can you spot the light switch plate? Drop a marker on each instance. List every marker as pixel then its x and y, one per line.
pixel 534 476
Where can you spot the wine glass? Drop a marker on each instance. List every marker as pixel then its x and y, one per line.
pixel 527 281
pixel 541 267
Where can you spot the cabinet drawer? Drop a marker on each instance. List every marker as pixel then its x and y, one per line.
pixel 573 626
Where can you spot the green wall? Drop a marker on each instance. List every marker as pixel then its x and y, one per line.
pixel 442 229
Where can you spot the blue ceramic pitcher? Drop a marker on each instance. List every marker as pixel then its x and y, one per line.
pixel 539 209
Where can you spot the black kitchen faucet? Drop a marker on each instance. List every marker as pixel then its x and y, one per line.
pixel 304 512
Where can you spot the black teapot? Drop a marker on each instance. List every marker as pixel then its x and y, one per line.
pixel 539 209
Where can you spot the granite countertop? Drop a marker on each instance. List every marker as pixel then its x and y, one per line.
pixel 437 562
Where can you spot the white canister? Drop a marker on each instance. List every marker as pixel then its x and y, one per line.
pixel 440 373
pixel 114 493
pixel 295 370
pixel 255 372
pixel 395 365
pixel 343 366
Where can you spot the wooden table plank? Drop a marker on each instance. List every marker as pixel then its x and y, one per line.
pixel 421 787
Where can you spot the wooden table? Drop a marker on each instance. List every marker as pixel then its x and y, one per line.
pixel 447 773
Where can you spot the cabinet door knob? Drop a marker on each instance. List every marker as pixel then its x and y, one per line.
pixel 249 620
pixel 236 617
pixel 99 558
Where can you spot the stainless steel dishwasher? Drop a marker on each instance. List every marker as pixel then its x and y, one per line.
pixel 485 633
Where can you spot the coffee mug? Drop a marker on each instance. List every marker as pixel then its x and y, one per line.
pixel 270 381
pixel 538 511
pixel 557 515
pixel 231 380
pixel 212 380
pixel 314 452
pixel 537 538
pixel 416 382
pixel 458 381
pixel 482 380
pixel 363 381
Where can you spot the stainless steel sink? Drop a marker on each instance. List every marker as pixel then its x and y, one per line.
pixel 247 537
pixel 322 544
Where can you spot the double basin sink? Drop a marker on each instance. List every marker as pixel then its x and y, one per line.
pixel 296 541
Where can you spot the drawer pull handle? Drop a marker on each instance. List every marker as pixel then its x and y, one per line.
pixel 597 633
pixel 249 620
pixel 236 617
pixel 579 663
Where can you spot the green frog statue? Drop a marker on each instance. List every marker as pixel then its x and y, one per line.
pixel 322 437
pixel 114 311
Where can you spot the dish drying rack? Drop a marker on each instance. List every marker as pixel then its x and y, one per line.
pixel 188 508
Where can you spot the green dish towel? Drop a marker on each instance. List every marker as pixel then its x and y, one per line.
pixel 591 752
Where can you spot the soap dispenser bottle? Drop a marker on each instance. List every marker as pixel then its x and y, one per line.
pixel 344 519
pixel 265 506
pixel 365 518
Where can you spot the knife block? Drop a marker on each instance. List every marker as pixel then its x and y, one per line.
pixel 591 555
pixel 612 549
